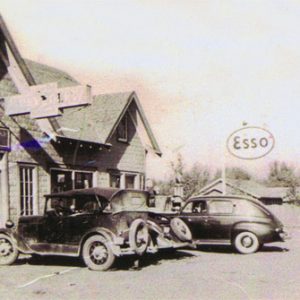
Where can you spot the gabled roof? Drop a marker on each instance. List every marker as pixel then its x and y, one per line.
pixel 249 187
pixel 5 36
pixel 95 122
pixel 41 73
pixel 45 74
pixel 98 121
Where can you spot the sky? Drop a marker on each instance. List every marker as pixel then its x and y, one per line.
pixel 201 69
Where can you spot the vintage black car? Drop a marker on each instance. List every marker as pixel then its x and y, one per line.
pixel 228 220
pixel 97 224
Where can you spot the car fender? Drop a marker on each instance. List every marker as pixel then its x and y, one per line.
pixel 106 233
pixel 261 230
pixel 6 231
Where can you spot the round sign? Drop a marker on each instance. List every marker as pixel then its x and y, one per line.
pixel 250 142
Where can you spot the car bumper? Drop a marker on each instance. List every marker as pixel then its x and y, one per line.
pixel 283 236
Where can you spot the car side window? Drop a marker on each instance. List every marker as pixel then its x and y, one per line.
pixel 195 207
pixel 248 209
pixel 220 207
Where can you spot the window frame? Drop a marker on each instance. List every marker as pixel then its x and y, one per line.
pixel 32 188
pixel 138 181
pixel 123 136
pixel 73 176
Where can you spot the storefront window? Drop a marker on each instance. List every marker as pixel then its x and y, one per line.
pixel 64 180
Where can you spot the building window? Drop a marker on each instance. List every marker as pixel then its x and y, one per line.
pixel 115 180
pixel 129 181
pixel 27 190
pixel 64 180
pixel 126 180
pixel 122 131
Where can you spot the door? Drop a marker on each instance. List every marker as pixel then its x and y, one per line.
pixel 196 217
pixel 220 219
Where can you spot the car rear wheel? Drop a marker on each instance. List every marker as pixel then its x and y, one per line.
pixel 8 251
pixel 97 253
pixel 181 230
pixel 246 242
pixel 139 236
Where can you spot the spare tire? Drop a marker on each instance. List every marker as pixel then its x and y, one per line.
pixel 138 236
pixel 181 230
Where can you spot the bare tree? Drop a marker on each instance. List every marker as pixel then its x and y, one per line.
pixel 192 179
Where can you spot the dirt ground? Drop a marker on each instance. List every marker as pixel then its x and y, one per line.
pixel 206 273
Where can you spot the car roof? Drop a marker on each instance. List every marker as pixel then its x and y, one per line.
pixel 223 197
pixel 101 192
pixel 107 193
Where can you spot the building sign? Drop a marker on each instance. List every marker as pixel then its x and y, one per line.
pixel 46 100
pixel 250 142
pixel 4 139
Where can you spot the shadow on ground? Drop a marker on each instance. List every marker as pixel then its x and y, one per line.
pixel 229 249
pixel 138 263
pixel 122 263
pixel 63 261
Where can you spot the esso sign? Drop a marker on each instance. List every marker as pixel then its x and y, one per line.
pixel 250 142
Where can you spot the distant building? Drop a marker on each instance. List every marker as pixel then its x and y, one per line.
pixel 55 135
pixel 267 195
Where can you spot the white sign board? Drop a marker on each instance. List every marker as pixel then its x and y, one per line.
pixel 250 142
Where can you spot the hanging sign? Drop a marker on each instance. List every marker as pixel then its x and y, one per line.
pixel 250 142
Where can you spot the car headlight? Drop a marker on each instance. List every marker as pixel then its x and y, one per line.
pixel 9 224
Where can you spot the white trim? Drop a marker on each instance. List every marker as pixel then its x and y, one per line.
pixel 32 188
pixel 138 184
pixel 73 171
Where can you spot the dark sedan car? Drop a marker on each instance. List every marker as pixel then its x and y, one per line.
pixel 96 224
pixel 228 220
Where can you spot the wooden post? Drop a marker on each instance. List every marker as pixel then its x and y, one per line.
pixel 223 149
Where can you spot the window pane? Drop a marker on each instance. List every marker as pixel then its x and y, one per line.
pixel 115 181
pixel 220 207
pixel 83 180
pixel 122 129
pixel 188 207
pixel 61 181
pixel 129 181
pixel 26 190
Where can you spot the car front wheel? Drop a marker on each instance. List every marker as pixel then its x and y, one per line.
pixel 8 251
pixel 246 242
pixel 97 253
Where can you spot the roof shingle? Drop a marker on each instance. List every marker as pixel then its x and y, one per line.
pixel 93 122
pixel 41 73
